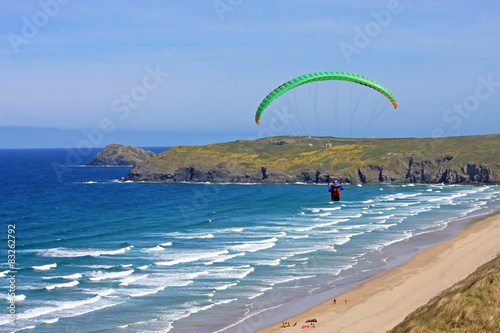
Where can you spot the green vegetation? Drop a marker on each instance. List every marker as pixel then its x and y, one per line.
pixel 114 154
pixel 470 306
pixel 455 159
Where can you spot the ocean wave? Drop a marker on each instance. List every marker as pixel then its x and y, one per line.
pixel 104 292
pixel 55 307
pixel 392 197
pixel 4 273
pixel 343 239
pixel 224 257
pixel 132 279
pixel 193 257
pixel 255 246
pixel 68 277
pixel 98 266
pixel 383 217
pixel 157 248
pixel 237 273
pixel 62 252
pixel 298 237
pixel 233 230
pixel 16 298
pixel 63 285
pixel 225 301
pixel 290 279
pixel 99 276
pixel 226 286
pixel 44 267
pixel 199 236
pixel 271 262
pixel 146 292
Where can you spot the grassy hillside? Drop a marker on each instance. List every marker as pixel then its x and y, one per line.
pixel 349 158
pixel 471 305
pixel 297 152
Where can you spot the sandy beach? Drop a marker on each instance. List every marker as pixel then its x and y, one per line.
pixel 384 301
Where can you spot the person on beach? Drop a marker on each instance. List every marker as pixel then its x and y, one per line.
pixel 335 190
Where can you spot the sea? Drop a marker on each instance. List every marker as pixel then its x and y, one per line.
pixel 83 251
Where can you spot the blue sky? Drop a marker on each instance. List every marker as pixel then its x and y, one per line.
pixel 162 73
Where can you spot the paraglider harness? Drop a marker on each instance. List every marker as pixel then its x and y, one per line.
pixel 335 190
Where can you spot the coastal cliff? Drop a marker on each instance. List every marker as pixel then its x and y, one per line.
pixel 292 159
pixel 119 155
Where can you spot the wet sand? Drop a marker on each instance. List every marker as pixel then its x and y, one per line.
pixel 384 301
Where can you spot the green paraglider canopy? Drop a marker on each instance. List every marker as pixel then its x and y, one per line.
pixel 322 76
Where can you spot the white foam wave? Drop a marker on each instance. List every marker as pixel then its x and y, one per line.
pixel 393 197
pixel 327 224
pixel 51 321
pixel 63 285
pixel 225 301
pixel 193 257
pixel 255 246
pixel 166 244
pixel 298 237
pixel 304 229
pixel 290 279
pixel 99 276
pixel 225 257
pixel 62 252
pixel 145 292
pixel 274 262
pixel 132 279
pixel 99 266
pixel 225 286
pixel 44 267
pixel 56 306
pixel 201 236
pixel 68 277
pixel 157 248
pixel 237 273
pixel 234 229
pixel 383 217
pixel 16 298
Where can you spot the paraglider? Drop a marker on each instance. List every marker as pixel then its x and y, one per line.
pixel 322 76
pixel 335 190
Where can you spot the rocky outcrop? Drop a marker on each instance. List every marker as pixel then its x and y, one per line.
pixel 423 171
pixel 119 155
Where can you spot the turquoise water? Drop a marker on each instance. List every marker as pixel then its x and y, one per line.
pixel 94 254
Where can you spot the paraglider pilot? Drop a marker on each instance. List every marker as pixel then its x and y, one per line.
pixel 335 189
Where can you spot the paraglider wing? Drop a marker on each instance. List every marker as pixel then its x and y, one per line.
pixel 322 76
